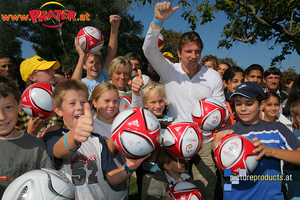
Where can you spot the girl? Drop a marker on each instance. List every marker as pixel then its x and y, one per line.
pixel 37 70
pixel 119 73
pixel 105 102
pixel 232 78
pixel 270 110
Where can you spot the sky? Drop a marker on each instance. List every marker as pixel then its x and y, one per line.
pixel 244 54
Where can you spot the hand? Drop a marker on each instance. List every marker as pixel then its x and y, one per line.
pixel 219 136
pixel 115 20
pixel 261 149
pixel 79 47
pixel 166 197
pixel 134 163
pixel 84 126
pixel 34 125
pixel 51 128
pixel 123 107
pixel 137 84
pixel 163 11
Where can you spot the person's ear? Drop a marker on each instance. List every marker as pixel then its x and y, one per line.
pixel 20 106
pixel 94 102
pixel 58 111
pixel 224 83
pixel 264 80
pixel 262 105
pixel 32 77
pixel 178 53
pixel 298 118
pixel 167 166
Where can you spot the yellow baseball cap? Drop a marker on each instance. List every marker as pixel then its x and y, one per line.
pixel 36 63
pixel 168 54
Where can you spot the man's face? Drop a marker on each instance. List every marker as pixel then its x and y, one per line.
pixel 7 67
pixel 190 55
pixel 254 76
pixel 135 64
pixel 272 82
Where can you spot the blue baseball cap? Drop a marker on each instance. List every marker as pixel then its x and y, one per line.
pixel 249 90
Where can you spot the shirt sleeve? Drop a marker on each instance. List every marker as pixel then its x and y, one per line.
pixel 291 142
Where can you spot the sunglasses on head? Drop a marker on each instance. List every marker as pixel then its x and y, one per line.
pixel 273 72
pixel 188 33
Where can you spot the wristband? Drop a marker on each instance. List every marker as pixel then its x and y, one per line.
pixel 127 169
pixel 157 23
pixel 68 146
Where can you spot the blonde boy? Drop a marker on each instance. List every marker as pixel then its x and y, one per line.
pixel 76 151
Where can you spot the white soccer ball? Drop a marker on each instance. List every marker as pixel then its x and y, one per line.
pixel 184 190
pixel 43 184
pixel 136 132
pixel 92 38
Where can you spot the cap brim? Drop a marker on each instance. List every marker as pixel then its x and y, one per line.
pixel 234 94
pixel 54 64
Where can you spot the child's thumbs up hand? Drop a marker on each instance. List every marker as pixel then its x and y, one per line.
pixel 84 125
pixel 137 83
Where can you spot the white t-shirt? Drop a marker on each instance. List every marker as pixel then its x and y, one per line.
pixel 113 192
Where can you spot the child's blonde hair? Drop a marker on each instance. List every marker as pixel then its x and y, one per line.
pixel 156 87
pixel 295 110
pixel 118 63
pixel 100 89
pixel 97 54
pixel 63 87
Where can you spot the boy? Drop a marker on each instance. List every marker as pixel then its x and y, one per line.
pixel 273 142
pixel 93 63
pixel 82 155
pixel 289 169
pixel 172 171
pixel 20 152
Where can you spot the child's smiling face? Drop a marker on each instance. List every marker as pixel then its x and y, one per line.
pixel 247 109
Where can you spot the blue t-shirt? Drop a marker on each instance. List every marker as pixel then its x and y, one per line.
pixel 273 134
pixel 103 77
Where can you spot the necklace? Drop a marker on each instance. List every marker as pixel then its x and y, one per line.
pixel 191 76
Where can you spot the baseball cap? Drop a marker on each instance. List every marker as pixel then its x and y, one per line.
pixel 36 63
pixel 168 54
pixel 249 90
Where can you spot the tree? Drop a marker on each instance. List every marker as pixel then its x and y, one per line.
pixel 290 73
pixel 171 41
pixel 251 21
pixel 58 43
pixel 229 61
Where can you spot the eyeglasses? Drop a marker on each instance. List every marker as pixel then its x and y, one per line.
pixel 188 33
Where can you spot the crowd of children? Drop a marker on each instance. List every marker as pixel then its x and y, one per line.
pixel 78 143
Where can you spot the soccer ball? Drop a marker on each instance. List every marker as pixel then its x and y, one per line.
pixel 125 99
pixel 183 139
pixel 136 132
pixel 92 37
pixel 161 41
pixel 184 190
pixel 236 152
pixel 209 114
pixel 41 184
pixel 36 100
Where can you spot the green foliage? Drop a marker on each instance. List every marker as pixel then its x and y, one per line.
pixel 290 73
pixel 250 21
pixel 171 41
pixel 58 43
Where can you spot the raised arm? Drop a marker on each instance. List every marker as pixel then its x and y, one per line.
pixel 162 12
pixel 77 74
pixel 113 39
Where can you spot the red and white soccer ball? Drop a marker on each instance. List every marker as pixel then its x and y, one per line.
pixel 92 37
pixel 161 41
pixel 184 190
pixel 183 139
pixel 125 99
pixel 209 114
pixel 36 100
pixel 236 152
pixel 136 132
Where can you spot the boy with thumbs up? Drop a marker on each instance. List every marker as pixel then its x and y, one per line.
pixel 79 153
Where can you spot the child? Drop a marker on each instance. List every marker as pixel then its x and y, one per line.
pixel 93 63
pixel 20 152
pixel 270 110
pixel 37 70
pixel 273 142
pixel 78 152
pixel 293 185
pixel 172 171
pixel 105 101
pixel 232 77
pixel 210 61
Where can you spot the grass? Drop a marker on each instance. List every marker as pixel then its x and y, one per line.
pixel 133 189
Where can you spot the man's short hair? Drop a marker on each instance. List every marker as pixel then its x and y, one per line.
pixel 162 157
pixel 254 67
pixel 134 56
pixel 272 70
pixel 8 56
pixel 63 87
pixel 8 86
pixel 187 37
pixel 295 110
